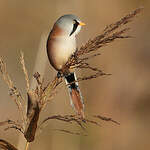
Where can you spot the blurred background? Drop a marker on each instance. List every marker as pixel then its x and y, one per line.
pixel 124 96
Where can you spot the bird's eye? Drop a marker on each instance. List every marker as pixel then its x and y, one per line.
pixel 74 21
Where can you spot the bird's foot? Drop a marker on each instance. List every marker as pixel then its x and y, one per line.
pixel 81 117
pixel 59 75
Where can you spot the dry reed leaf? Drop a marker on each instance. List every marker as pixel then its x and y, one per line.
pixel 33 112
pixel 6 145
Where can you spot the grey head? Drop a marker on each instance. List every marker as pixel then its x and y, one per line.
pixel 70 24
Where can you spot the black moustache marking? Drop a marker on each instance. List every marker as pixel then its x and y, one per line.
pixel 75 25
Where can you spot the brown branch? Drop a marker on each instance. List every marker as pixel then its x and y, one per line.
pixel 71 119
pixel 106 119
pixel 16 128
pixel 66 118
pixel 13 123
pixel 81 60
pixel 70 132
pixel 93 122
pixel 98 73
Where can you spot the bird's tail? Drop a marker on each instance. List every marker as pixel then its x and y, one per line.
pixel 75 94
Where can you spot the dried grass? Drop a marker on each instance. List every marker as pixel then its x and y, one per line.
pixel 14 93
pixel 6 145
pixel 110 34
pixel 39 97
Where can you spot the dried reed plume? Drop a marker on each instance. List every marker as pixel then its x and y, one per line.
pixel 39 97
pixel 111 33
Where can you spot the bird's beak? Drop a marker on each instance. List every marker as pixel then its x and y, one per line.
pixel 82 24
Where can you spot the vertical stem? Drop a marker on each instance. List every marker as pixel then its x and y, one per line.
pixel 27 146
pixel 40 65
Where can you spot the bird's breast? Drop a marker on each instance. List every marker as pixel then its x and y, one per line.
pixel 59 50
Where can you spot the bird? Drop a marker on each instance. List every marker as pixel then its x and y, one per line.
pixel 61 45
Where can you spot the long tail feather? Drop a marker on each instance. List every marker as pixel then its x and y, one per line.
pixel 75 94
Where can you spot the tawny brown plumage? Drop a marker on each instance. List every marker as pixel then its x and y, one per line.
pixel 61 44
pixel 52 39
pixel 77 102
